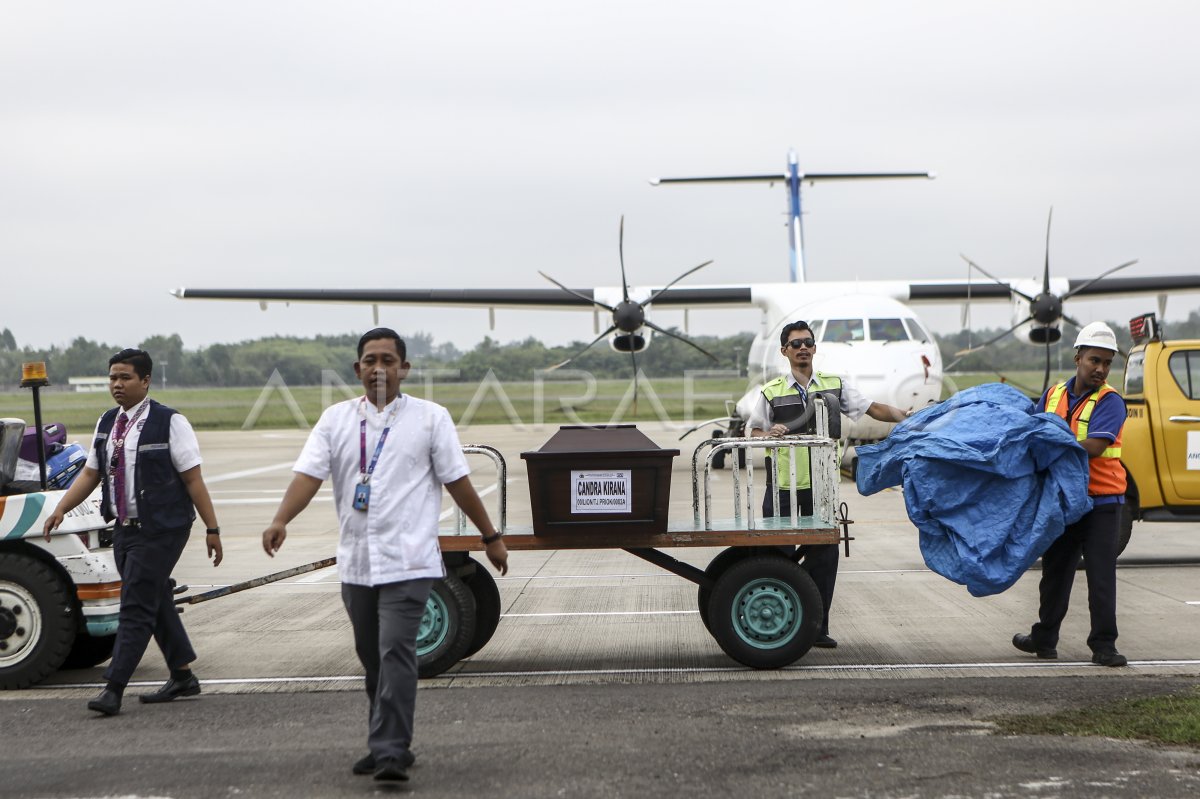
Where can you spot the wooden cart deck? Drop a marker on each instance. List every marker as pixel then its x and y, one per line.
pixel 724 533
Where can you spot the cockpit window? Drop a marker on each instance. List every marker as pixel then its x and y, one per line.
pixel 916 332
pixel 843 330
pixel 888 330
pixel 816 326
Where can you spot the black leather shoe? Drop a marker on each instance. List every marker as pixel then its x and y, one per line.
pixel 1025 644
pixel 1113 658
pixel 394 768
pixel 173 689
pixel 364 765
pixel 825 642
pixel 107 702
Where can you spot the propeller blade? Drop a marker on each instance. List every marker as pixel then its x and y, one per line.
pixel 633 355
pixel 661 291
pixel 1046 273
pixel 993 340
pixel 1078 289
pixel 621 250
pixel 1072 322
pixel 1005 378
pixel 582 351
pixel 995 279
pixel 575 293
pixel 1046 379
pixel 687 341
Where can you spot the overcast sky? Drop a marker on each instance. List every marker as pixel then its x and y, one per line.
pixel 148 145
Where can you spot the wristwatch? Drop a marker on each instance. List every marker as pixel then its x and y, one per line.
pixel 213 531
pixel 496 536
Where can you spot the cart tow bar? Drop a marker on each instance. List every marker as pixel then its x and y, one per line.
pixel 845 522
pixel 255 583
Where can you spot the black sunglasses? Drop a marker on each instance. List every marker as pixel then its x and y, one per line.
pixel 797 343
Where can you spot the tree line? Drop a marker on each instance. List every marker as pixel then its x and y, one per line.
pixel 301 361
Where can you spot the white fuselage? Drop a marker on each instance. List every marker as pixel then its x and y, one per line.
pixel 875 342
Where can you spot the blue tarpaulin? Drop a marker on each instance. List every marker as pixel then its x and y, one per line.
pixel 989 483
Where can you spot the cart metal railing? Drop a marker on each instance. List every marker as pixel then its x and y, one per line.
pixel 493 454
pixel 823 455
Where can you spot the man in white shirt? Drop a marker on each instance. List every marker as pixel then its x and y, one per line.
pixel 148 460
pixel 785 407
pixel 388 455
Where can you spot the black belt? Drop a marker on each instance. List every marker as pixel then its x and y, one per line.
pixel 129 524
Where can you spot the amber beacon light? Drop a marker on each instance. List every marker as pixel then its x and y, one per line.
pixel 34 374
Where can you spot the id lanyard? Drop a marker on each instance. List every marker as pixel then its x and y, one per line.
pixel 362 491
pixel 118 444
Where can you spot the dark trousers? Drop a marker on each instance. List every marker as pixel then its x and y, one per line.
pixel 819 560
pixel 385 619
pixel 145 558
pixel 1094 537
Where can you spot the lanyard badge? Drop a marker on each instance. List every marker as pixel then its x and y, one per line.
pixel 362 496
pixel 362 489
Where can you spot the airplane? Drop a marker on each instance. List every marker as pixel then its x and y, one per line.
pixel 866 331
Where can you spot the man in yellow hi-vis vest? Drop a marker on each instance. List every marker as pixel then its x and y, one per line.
pixel 784 408
pixel 1096 414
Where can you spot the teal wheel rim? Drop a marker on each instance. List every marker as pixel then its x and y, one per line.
pixel 435 625
pixel 767 613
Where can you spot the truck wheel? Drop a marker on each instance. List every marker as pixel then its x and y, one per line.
pixel 765 612
pixel 37 621
pixel 487 607
pixel 447 626
pixel 88 651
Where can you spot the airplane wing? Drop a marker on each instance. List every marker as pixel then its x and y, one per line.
pixel 550 299
pixel 1105 288
pixel 808 177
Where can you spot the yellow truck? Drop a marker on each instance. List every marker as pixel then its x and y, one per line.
pixel 1161 441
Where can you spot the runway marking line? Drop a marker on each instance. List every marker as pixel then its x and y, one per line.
pixel 813 669
pixel 221 478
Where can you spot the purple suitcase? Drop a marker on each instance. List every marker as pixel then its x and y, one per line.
pixel 53 434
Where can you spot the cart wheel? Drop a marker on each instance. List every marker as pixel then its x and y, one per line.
pixel 765 612
pixel 447 626
pixel 724 559
pixel 487 607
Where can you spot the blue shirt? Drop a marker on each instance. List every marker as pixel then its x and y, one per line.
pixel 1108 417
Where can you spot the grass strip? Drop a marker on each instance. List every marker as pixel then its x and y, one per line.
pixel 1170 719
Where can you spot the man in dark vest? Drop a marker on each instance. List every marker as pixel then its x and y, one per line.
pixel 146 457
pixel 785 407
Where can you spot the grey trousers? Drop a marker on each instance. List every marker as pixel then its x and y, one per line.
pixel 385 619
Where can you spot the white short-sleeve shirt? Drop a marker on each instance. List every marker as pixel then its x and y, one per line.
pixel 396 538
pixel 854 404
pixel 185 453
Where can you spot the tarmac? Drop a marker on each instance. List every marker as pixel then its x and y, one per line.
pixel 601 679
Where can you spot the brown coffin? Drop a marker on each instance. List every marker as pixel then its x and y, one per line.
pixel 596 478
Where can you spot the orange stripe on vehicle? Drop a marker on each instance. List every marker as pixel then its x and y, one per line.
pixel 100 591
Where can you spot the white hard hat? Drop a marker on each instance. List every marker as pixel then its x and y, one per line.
pixel 1097 334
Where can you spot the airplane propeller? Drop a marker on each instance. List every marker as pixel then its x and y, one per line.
pixel 628 316
pixel 1045 309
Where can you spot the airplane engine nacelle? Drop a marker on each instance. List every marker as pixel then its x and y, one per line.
pixel 1044 335
pixel 630 342
pixel 1041 330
